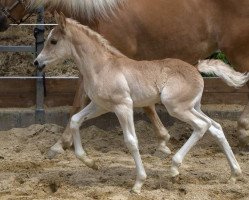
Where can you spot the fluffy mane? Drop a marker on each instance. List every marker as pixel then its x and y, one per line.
pixel 87 9
pixel 94 36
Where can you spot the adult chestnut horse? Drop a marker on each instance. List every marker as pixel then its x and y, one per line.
pixel 143 29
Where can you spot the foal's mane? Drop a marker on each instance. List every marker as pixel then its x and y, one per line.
pixel 87 9
pixel 94 36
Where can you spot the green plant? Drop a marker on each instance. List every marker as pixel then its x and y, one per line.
pixel 219 55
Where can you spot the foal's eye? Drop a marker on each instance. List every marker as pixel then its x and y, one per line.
pixel 54 42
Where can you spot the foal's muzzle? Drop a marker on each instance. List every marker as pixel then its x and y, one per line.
pixel 38 65
pixel 3 23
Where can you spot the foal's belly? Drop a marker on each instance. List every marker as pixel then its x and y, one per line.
pixel 145 102
pixel 114 91
pixel 143 97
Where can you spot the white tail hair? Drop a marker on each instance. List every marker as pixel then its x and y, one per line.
pixel 224 71
pixel 87 9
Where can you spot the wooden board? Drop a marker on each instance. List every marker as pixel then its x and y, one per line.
pixel 214 85
pixel 217 92
pixel 20 92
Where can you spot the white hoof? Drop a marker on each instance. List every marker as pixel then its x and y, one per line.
pixel 88 162
pixel 232 180
pixel 135 190
pixel 55 150
pixel 162 152
pixel 52 154
pixel 174 171
pixel 139 183
pixel 235 175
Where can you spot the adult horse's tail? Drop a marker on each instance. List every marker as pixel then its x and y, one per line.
pixel 224 71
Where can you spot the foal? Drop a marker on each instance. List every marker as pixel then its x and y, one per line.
pixel 116 84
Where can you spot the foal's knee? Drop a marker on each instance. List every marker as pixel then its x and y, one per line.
pixel 217 132
pixel 207 125
pixel 74 123
pixel 131 143
pixel 202 127
pixel 163 134
pixel 174 112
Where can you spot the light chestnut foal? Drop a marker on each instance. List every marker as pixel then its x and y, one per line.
pixel 116 84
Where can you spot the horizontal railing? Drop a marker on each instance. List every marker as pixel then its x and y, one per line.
pixel 60 91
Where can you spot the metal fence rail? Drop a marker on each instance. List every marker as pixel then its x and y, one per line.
pixel 17 49
pixel 40 76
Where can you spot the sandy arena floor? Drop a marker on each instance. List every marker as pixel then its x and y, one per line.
pixel 25 173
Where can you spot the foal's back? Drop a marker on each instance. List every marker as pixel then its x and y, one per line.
pixel 160 71
pixel 150 78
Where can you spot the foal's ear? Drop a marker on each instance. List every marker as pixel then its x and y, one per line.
pixel 61 20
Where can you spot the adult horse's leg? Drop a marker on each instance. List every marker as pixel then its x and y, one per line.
pixel 243 122
pixel 66 140
pixel 235 44
pixel 243 126
pixel 160 131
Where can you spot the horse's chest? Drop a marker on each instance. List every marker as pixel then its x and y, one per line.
pixel 106 91
pixel 94 90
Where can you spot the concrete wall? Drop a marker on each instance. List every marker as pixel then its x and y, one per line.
pixel 23 117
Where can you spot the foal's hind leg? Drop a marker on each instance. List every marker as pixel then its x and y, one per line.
pixel 159 129
pixel 217 131
pixel 199 125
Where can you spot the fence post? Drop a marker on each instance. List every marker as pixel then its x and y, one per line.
pixel 39 36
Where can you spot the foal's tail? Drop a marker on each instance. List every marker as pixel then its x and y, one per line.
pixel 224 71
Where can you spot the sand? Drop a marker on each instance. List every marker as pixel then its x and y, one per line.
pixel 26 173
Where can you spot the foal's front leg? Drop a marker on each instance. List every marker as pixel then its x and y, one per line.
pixel 125 116
pixel 66 140
pixel 89 112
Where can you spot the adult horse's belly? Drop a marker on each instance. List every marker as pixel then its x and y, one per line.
pixel 157 29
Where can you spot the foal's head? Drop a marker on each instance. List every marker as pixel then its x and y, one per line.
pixel 58 45
pixel 68 38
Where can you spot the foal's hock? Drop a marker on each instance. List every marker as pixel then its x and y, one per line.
pixel 116 84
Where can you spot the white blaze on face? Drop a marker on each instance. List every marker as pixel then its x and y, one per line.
pixel 48 54
pixel 42 55
pixel 50 34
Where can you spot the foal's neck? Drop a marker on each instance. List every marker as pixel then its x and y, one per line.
pixel 92 51
pixel 90 54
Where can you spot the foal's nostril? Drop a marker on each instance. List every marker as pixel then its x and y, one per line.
pixel 36 63
pixel 39 66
